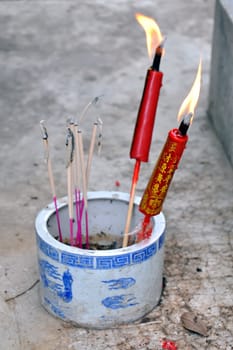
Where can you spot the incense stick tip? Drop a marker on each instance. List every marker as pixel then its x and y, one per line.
pixel 43 130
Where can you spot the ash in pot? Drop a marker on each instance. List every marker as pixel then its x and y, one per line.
pixel 103 241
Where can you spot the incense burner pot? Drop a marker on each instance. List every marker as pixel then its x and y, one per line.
pixel 99 288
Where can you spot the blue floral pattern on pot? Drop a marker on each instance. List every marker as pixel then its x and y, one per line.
pixel 124 283
pixel 119 301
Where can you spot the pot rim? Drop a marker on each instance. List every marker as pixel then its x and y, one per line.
pixel 44 215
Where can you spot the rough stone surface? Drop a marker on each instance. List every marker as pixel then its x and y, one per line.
pixel 54 58
pixel 221 82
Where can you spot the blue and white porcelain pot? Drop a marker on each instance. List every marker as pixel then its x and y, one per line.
pixel 99 288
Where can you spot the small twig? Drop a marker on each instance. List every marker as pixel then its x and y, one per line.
pixel 24 292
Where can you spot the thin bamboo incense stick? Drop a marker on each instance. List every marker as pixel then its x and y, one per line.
pixel 50 175
pixel 74 156
pixel 78 202
pixel 70 151
pixel 131 202
pixel 85 109
pixel 84 185
pixel 76 181
pixel 100 135
pixel 90 153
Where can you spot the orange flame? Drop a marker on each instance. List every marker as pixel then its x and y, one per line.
pixel 189 104
pixel 153 34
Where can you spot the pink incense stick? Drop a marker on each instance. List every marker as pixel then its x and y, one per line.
pixel 85 205
pixel 70 152
pixel 82 204
pixel 77 192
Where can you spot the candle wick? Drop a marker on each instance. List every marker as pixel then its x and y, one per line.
pixel 185 124
pixel 157 59
pixel 158 55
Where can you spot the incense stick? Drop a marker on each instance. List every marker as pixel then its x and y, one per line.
pixel 74 155
pixel 84 185
pixel 78 202
pixel 70 151
pixel 100 135
pixel 90 153
pixel 50 175
pixel 76 182
pixel 131 202
pixel 85 109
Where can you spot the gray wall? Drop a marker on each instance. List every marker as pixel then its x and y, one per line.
pixel 220 108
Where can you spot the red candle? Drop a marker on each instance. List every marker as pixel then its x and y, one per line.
pixel 156 190
pixel 143 131
pixel 144 126
pixel 158 185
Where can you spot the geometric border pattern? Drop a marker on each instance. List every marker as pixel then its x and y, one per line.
pixel 47 249
pixel 101 262
pixel 112 262
pixel 77 260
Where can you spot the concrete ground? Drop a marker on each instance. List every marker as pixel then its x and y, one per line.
pixel 55 57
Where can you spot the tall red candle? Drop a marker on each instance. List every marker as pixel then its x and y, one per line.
pixel 144 126
pixel 140 147
pixel 143 131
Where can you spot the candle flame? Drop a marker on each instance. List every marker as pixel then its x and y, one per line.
pixel 153 35
pixel 189 104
